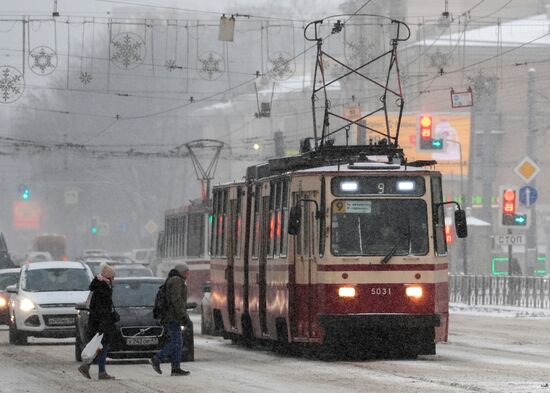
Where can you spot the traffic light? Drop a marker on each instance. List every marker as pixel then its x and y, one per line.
pixel 93 226
pixel 509 215
pixel 425 131
pixel 24 192
pixel 449 233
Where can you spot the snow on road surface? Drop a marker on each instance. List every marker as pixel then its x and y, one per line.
pixel 487 352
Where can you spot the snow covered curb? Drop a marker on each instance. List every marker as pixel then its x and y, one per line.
pixel 499 311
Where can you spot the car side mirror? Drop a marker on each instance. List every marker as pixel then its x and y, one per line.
pixel 12 289
pixel 191 305
pixel 295 220
pixel 460 224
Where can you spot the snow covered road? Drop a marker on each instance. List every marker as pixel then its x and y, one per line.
pixel 485 353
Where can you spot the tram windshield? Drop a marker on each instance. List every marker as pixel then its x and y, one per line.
pixel 377 226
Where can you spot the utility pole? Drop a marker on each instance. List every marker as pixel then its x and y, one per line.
pixel 531 241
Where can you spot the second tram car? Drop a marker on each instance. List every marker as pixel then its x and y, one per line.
pixel 360 261
pixel 185 239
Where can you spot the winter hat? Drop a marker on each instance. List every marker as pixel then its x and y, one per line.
pixel 182 267
pixel 107 271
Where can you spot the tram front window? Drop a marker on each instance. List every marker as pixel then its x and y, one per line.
pixel 376 226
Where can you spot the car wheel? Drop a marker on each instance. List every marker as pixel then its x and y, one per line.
pixel 16 337
pixel 77 347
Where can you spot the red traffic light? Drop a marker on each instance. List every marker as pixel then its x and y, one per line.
pixel 425 127
pixel 509 201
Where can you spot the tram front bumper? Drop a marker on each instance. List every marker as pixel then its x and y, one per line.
pixel 335 322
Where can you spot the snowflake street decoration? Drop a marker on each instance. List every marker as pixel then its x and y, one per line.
pixel 42 60
pixel 171 65
pixel 361 51
pixel 211 66
pixel 282 66
pixel 12 84
pixel 128 50
pixel 85 77
pixel 438 60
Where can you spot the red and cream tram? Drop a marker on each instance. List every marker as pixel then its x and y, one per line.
pixel 364 265
pixel 185 239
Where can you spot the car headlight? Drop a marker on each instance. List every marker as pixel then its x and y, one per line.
pixel 26 305
pixel 3 302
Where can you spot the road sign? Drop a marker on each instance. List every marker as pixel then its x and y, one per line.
pixel 527 195
pixel 151 227
pixel 71 196
pixel 510 239
pixel 527 169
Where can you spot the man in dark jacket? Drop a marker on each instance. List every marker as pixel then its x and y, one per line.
pixel 102 318
pixel 176 317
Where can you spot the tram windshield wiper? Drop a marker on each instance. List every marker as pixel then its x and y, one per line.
pixel 391 253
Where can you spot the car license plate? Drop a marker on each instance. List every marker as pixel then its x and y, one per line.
pixel 61 321
pixel 142 340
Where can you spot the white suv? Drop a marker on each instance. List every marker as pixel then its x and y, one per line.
pixel 42 304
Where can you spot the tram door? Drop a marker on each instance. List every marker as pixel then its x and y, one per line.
pixel 306 260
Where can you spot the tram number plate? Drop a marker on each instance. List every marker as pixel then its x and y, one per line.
pixel 142 340
pixel 380 291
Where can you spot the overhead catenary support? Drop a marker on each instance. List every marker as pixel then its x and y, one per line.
pixel 205 175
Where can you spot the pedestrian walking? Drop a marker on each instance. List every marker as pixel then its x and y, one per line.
pixel 102 318
pixel 175 317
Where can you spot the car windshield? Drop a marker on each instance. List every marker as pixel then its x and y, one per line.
pixel 378 226
pixel 135 294
pixel 8 279
pixel 56 279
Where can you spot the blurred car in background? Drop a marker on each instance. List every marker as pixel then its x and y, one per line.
pixel 121 258
pixel 94 263
pixel 144 255
pixel 138 334
pixel 134 270
pixel 7 277
pixel 42 303
pixel 95 253
pixel 37 256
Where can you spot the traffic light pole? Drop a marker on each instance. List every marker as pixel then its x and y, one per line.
pixel 509 231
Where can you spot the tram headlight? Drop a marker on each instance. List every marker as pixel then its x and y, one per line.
pixel 405 185
pixel 347 292
pixel 414 292
pixel 348 186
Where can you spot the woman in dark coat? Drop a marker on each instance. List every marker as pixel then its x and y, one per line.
pixel 102 318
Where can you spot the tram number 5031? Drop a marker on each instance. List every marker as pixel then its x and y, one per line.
pixel 380 291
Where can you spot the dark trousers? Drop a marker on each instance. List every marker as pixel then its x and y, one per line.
pixel 173 348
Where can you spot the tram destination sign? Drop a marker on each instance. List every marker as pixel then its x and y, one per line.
pixel 510 239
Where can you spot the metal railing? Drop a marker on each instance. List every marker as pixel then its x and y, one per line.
pixel 517 291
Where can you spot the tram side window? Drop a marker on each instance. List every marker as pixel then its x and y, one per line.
pixel 182 229
pixel 440 241
pixel 298 237
pixel 256 223
pixel 225 223
pixel 213 222
pixel 236 224
pixel 282 222
pixel 272 214
pixel 169 233
pixel 195 235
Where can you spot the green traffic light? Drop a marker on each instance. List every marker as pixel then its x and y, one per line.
pixel 26 194
pixel 520 219
pixel 94 230
pixel 437 144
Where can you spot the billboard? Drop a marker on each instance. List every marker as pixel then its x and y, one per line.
pixel 452 131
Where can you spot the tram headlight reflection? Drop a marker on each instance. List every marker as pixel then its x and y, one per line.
pixel 347 292
pixel 414 292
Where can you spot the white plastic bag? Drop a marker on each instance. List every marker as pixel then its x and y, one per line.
pixel 91 349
